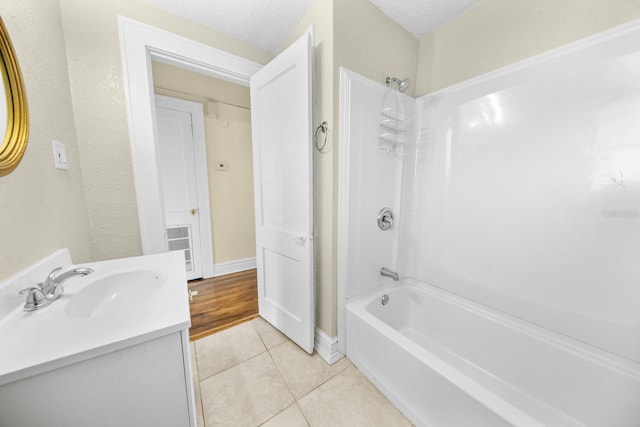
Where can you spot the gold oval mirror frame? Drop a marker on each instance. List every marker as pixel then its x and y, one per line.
pixel 14 141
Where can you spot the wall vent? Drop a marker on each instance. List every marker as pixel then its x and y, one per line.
pixel 179 238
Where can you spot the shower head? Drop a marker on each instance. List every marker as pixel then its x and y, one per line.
pixel 401 85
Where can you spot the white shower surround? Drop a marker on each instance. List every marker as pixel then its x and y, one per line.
pixel 520 193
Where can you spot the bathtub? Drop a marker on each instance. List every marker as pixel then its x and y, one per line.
pixel 447 361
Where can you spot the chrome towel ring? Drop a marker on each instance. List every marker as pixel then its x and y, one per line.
pixel 321 128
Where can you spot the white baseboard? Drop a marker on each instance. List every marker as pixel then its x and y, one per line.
pixel 327 347
pixel 235 266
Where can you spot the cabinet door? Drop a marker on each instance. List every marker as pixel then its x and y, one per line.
pixel 142 385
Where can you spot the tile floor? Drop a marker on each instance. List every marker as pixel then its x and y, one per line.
pixel 252 375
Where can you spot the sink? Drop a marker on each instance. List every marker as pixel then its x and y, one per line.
pixel 99 346
pixel 123 303
pixel 111 294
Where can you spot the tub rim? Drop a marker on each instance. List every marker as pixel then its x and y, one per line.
pixel 446 362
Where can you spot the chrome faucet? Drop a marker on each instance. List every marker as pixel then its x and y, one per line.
pixel 52 283
pixel 51 289
pixel 384 271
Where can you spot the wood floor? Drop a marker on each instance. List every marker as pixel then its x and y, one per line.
pixel 222 302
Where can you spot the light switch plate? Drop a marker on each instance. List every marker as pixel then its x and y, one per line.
pixel 59 155
pixel 221 166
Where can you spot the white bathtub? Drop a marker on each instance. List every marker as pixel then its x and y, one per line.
pixel 446 361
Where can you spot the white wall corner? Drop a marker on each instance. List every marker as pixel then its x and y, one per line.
pixel 327 347
pixel 222 268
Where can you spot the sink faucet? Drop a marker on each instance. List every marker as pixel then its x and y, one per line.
pixel 52 283
pixel 384 271
pixel 43 294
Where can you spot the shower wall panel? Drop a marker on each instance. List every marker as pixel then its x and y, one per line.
pixel 373 181
pixel 523 191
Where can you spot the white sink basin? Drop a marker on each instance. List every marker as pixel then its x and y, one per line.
pixel 114 293
pixel 123 302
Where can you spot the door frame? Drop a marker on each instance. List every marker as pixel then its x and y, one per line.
pixel 195 109
pixel 139 45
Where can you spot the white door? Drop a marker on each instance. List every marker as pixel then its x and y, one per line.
pixel 283 176
pixel 181 160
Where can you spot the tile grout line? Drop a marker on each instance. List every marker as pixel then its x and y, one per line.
pixel 240 362
pixel 278 369
pixel 295 401
pixel 266 350
pixel 285 381
pixel 231 367
pixel 258 332
pixel 325 381
pixel 302 413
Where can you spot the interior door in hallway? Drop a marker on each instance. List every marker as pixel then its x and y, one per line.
pixel 283 185
pixel 184 182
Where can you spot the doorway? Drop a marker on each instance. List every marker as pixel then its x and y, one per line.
pixel 227 205
pixel 189 103
pixel 185 189
pixel 140 45
pixel 273 133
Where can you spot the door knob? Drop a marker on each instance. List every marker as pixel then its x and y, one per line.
pixel 301 239
pixel 194 211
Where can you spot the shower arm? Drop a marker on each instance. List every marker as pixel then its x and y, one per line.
pixel 400 85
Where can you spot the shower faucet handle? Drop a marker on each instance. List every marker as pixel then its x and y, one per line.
pixel 385 219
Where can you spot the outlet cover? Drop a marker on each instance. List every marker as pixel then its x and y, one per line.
pixel 59 155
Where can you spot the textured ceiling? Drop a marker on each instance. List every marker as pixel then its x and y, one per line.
pixel 267 23
pixel 420 17
pixel 262 23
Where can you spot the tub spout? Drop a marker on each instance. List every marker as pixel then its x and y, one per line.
pixel 384 271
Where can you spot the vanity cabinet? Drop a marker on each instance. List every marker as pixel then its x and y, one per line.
pixel 113 350
pixel 147 384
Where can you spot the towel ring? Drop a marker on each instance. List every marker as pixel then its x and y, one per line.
pixel 321 128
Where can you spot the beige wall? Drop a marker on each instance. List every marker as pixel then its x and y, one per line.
pixel 371 44
pixel 496 33
pixel 228 139
pixel 320 15
pixel 42 209
pixel 95 73
pixel 232 190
